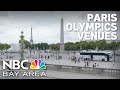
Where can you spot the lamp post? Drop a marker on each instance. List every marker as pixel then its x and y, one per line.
pixel 22 47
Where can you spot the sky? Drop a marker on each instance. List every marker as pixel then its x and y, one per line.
pixel 45 25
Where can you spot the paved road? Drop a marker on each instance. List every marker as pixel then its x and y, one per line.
pixel 65 60
pixel 37 55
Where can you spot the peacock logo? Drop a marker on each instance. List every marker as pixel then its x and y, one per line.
pixel 37 64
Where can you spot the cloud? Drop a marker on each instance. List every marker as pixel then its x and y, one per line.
pixel 45 24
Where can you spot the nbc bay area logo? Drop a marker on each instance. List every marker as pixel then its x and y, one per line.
pixel 16 64
pixel 38 64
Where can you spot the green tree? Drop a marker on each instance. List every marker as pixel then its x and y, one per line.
pixel 84 45
pixel 54 47
pixel 114 45
pixel 69 46
pixel 39 46
pixel 77 46
pixel 44 46
pixel 101 44
pixel 4 46
pixel 27 44
pixel 1 46
pixel 118 44
pixel 92 45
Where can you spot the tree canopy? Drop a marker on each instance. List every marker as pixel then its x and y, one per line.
pixel 4 46
pixel 84 45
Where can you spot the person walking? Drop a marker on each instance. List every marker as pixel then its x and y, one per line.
pixel 87 63
pixel 48 57
pixel 79 59
pixel 113 64
pixel 95 64
pixel 75 59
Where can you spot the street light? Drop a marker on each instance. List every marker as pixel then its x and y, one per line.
pixel 22 47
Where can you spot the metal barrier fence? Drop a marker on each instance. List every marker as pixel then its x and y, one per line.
pixel 91 70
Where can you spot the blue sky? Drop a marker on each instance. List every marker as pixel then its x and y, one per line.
pixel 45 24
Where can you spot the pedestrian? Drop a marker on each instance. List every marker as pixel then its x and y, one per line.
pixel 41 56
pixel 79 59
pixel 61 57
pixel 48 57
pixel 113 63
pixel 75 59
pixel 87 63
pixel 95 64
